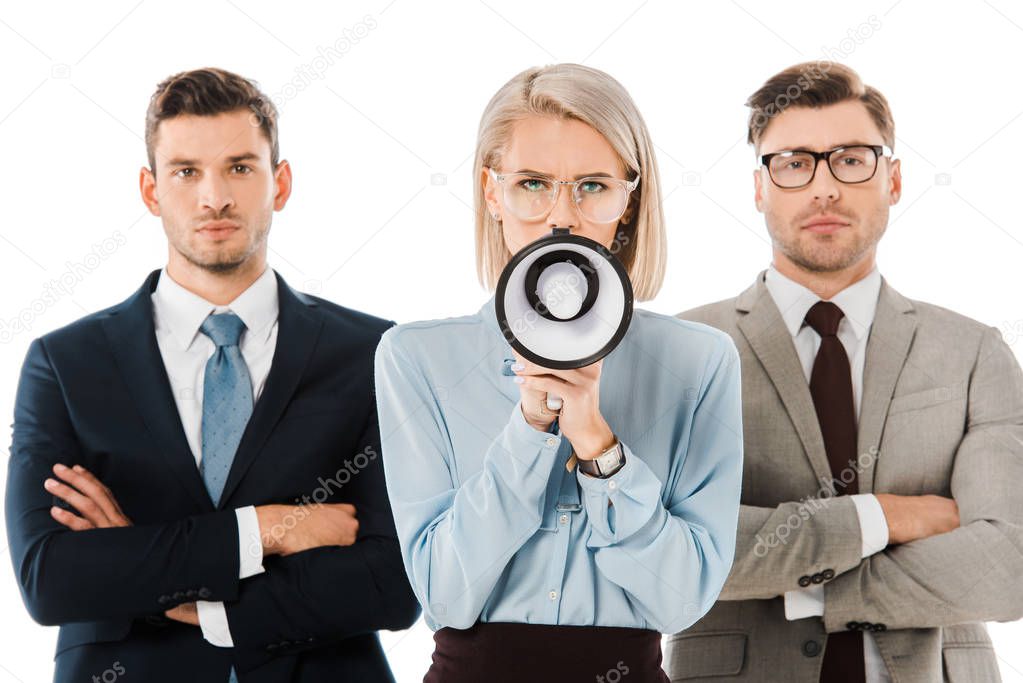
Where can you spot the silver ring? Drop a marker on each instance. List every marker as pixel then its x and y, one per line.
pixel 544 410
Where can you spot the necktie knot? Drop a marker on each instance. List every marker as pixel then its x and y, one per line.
pixel 824 317
pixel 225 329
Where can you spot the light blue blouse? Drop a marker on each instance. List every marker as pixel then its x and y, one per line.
pixel 492 525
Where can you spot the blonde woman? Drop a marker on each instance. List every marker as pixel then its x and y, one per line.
pixel 528 567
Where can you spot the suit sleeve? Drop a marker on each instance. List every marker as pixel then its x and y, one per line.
pixel 971 573
pixel 68 576
pixel 776 547
pixel 325 594
pixel 809 601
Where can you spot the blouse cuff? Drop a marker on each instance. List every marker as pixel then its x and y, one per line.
pixel 623 504
pixel 526 455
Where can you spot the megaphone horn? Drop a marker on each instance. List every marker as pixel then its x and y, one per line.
pixel 564 302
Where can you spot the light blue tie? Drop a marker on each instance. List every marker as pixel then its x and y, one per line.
pixel 226 405
pixel 226 401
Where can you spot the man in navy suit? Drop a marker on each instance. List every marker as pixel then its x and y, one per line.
pixel 195 491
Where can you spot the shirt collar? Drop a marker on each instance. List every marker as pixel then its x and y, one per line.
pixel 858 301
pixel 183 312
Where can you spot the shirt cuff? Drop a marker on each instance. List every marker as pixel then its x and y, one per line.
pixel 873 524
pixel 623 504
pixel 805 602
pixel 521 453
pixel 250 547
pixel 213 622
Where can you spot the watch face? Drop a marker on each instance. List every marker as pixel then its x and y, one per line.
pixel 608 462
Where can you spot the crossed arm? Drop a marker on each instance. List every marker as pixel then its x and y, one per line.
pixel 94 564
pixel 947 561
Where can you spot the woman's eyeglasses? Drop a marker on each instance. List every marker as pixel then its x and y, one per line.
pixel 598 198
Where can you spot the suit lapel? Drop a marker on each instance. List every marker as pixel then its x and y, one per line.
pixel 770 340
pixel 132 337
pixel 298 329
pixel 891 336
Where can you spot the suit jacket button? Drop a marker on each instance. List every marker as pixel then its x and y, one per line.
pixel 828 574
pixel 817 578
pixel 804 581
pixel 811 648
pixel 271 647
pixel 853 625
pixel 163 600
pixel 204 592
pixel 178 595
pixel 880 627
pixel 191 594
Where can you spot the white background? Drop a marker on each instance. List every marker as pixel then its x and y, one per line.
pixel 380 136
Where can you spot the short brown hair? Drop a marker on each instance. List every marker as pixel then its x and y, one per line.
pixel 816 84
pixel 208 92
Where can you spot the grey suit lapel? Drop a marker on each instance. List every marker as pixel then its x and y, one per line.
pixel 770 340
pixel 891 335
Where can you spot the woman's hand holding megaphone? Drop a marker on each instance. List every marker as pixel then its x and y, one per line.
pixel 579 420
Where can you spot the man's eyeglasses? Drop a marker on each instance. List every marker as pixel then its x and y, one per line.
pixel 853 164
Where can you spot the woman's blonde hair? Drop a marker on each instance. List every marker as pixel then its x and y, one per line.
pixel 573 91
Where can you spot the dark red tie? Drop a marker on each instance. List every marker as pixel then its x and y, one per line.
pixel 832 392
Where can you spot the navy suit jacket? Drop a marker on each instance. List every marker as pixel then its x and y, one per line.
pixel 96 393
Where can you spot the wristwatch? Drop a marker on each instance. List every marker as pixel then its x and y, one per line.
pixel 605 464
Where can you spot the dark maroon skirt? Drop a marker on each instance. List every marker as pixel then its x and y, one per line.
pixel 497 652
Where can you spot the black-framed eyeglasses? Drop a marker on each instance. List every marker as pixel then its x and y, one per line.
pixel 851 165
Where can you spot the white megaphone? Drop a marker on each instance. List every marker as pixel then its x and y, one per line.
pixel 564 302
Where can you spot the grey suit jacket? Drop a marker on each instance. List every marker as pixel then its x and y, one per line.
pixel 941 413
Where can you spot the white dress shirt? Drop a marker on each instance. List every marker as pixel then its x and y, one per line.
pixel 858 302
pixel 177 315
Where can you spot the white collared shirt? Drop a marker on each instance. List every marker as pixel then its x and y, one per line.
pixel 177 316
pixel 858 302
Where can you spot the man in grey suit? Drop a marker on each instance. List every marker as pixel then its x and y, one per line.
pixel 882 515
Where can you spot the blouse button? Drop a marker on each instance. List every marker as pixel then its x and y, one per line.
pixel 553 595
pixel 551 441
pixel 563 519
pixel 612 485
